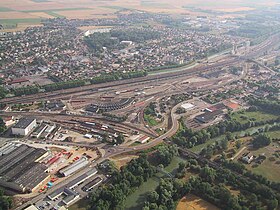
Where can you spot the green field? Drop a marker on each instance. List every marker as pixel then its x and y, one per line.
pixel 274 134
pixel 135 201
pixel 245 116
pixel 5 9
pixel 270 168
pixel 150 120
pixel 52 13
pixel 17 21
pixel 57 10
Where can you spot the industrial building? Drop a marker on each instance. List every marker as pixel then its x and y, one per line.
pixel 70 195
pixel 39 130
pixel 7 148
pixel 88 187
pixel 110 106
pixel 19 169
pixel 43 130
pixel 208 116
pixel 24 126
pixel 82 162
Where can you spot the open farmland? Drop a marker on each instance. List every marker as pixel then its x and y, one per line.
pixel 14 12
pixel 192 202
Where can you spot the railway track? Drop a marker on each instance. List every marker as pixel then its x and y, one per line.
pixel 63 117
pixel 64 94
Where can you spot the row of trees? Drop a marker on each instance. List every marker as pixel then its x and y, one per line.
pixel 188 138
pixel 63 85
pixel 28 90
pixel 266 105
pixel 117 76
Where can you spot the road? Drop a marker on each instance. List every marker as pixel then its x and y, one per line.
pixel 121 149
pixel 110 152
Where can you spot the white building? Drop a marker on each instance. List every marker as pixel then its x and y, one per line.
pixel 75 166
pixel 24 126
pixel 187 106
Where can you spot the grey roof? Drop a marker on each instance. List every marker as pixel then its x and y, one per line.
pixel 20 167
pixel 70 198
pixel 24 123
pixel 92 183
pixel 208 116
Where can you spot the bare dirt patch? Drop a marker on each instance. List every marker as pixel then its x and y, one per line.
pixel 192 202
pixel 122 160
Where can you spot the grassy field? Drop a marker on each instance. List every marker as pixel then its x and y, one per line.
pixel 274 134
pixel 243 116
pixel 192 202
pixel 5 9
pixel 136 200
pixel 150 120
pixel 270 168
pixel 17 21
pixel 52 13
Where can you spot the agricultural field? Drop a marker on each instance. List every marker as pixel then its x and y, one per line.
pixel 192 202
pixel 13 13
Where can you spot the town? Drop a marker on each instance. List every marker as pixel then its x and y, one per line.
pixel 144 110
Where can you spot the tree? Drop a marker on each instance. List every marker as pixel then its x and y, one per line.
pixel 229 136
pixel 238 144
pixel 208 174
pixel 165 153
pixel 224 144
pixel 272 204
pixel 120 139
pixel 5 201
pixel 261 140
pixel 2 125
